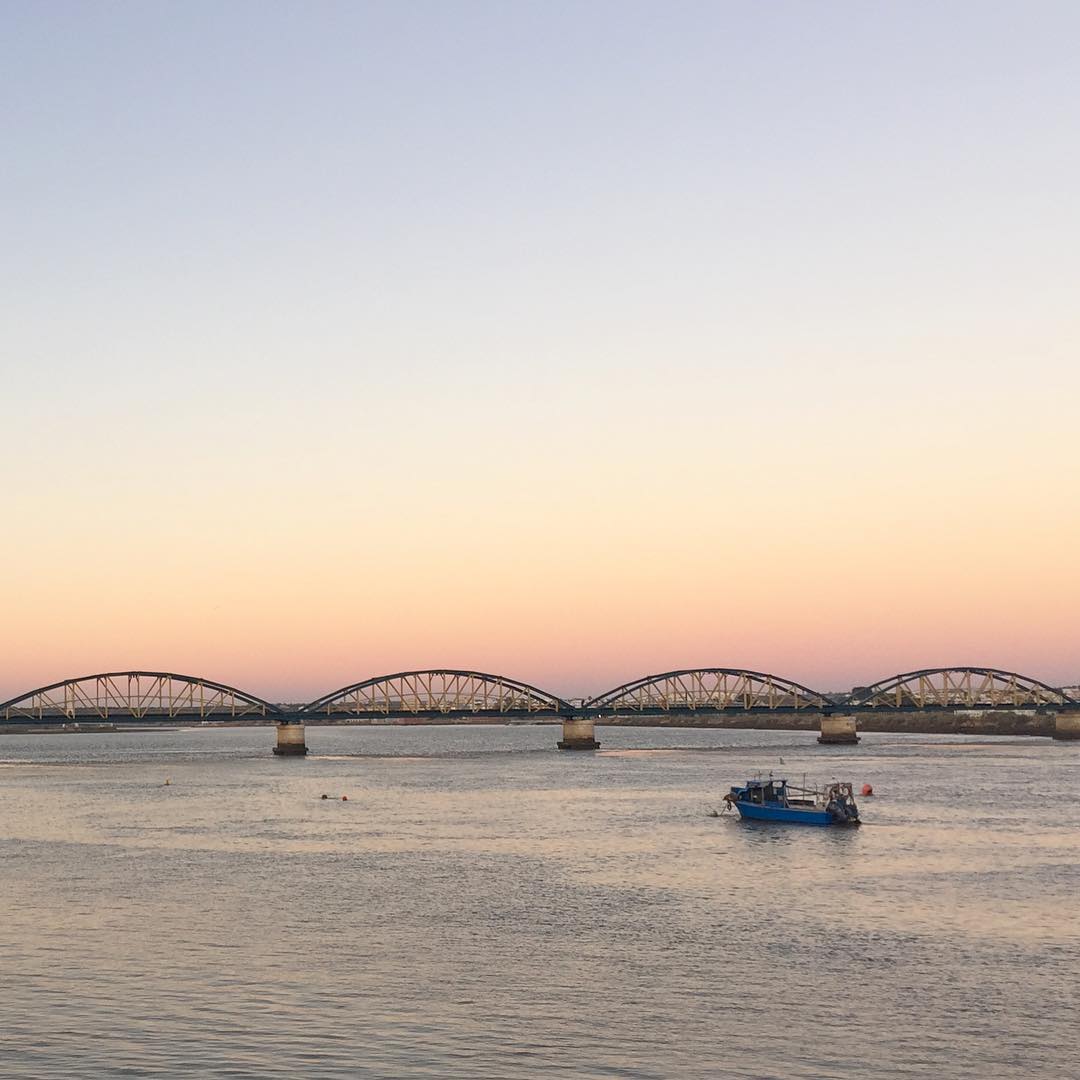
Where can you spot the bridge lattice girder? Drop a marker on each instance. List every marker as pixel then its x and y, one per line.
pixel 134 695
pixel 708 690
pixel 958 688
pixel 439 692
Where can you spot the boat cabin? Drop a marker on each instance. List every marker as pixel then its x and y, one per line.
pixel 765 791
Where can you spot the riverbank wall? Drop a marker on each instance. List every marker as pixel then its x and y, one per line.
pixel 965 722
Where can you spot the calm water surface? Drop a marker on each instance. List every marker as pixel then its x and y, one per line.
pixel 484 906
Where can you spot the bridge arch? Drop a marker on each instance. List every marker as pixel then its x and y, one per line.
pixel 439 692
pixel 958 688
pixel 134 695
pixel 708 690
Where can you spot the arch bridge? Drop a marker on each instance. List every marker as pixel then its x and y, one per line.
pixel 707 690
pixel 134 695
pixel 439 693
pixel 933 689
pixel 443 695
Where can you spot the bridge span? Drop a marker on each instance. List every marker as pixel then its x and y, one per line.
pixel 731 696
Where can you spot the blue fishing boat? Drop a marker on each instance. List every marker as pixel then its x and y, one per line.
pixel 777 800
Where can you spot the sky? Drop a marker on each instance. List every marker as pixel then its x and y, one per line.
pixel 568 341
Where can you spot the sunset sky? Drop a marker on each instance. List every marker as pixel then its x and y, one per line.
pixel 570 341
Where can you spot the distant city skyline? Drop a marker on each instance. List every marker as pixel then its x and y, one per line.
pixel 567 342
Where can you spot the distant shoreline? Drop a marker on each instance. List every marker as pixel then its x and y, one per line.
pixel 924 723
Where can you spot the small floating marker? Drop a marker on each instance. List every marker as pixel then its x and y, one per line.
pixel 344 798
pixel 167 781
pixel 867 790
pixel 324 796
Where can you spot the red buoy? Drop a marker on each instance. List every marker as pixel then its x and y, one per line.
pixel 344 798
pixel 866 790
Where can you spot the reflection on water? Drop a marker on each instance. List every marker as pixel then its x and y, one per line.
pixel 483 906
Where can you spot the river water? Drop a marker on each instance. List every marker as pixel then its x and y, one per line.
pixel 485 906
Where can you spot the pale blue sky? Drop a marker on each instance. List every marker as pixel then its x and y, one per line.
pixel 532 171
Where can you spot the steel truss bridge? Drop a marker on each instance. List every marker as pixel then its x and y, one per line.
pixel 445 695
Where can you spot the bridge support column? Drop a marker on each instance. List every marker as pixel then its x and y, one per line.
pixel 290 740
pixel 579 734
pixel 1067 725
pixel 838 729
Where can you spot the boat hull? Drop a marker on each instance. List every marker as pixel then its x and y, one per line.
pixel 791 814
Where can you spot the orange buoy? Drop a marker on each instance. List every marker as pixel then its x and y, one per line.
pixel 344 798
pixel 866 790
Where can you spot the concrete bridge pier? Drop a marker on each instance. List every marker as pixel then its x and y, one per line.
pixel 578 734
pixel 1067 725
pixel 838 730
pixel 290 740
